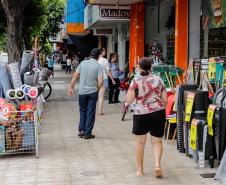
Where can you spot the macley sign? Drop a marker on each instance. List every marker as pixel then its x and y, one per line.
pixel 115 13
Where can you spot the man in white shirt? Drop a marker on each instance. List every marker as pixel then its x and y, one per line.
pixel 106 69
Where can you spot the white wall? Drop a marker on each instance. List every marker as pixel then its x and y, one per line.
pixel 194 28
pixel 151 23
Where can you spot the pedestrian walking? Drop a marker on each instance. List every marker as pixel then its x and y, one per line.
pixel 149 114
pixel 114 87
pixel 107 74
pixel 90 74
pixel 68 67
pixel 50 62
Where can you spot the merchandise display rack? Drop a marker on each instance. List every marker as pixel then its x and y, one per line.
pixel 20 135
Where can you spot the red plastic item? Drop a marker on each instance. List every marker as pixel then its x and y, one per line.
pixel 170 104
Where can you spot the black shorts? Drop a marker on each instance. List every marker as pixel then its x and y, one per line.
pixel 154 123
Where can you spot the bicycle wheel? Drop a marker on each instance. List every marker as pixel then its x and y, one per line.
pixel 47 90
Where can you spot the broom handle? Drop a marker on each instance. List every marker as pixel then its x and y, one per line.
pixel 171 80
pixel 178 78
pixel 208 82
pixel 168 80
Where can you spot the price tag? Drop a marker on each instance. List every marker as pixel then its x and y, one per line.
pixel 189 106
pixel 210 115
pixel 193 134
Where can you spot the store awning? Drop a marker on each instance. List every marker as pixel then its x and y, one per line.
pixel 74 17
pixel 67 39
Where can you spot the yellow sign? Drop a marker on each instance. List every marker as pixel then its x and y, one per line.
pixel 224 81
pixel 189 106
pixel 212 68
pixel 193 134
pixel 210 115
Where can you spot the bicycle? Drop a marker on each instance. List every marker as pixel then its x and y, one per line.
pixel 46 90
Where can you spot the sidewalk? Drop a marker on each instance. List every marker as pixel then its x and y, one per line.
pixel 109 159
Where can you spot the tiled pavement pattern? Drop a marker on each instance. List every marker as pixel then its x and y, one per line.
pixel 109 159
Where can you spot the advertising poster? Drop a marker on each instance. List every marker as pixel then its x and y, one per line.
pixel 219 14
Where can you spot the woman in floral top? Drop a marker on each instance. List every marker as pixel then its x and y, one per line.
pixel 149 113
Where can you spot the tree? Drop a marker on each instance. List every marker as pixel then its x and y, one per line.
pixel 3 25
pixel 51 22
pixel 35 12
pixel 27 19
pixel 14 10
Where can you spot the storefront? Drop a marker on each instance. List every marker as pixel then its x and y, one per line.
pixel 111 25
pixel 77 39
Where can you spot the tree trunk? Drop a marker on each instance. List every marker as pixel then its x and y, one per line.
pixel 27 41
pixel 14 11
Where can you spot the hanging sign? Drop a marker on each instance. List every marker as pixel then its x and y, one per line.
pixel 102 31
pixel 189 106
pixel 114 13
pixel 193 134
pixel 210 115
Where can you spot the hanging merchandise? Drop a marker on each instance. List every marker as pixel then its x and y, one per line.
pixel 196 71
pixel 180 105
pixel 4 80
pixel 204 71
pixel 15 75
pixel 155 52
pixel 27 60
pixel 36 72
pixel 28 78
pixel 44 75
pixel 11 94
pixel 219 72
pixel 20 94
pixel 25 89
pixel 33 92
pixel 6 109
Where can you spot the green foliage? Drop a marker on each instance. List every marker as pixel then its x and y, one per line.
pixel 3 25
pixel 2 43
pixel 3 22
pixel 51 22
pixel 47 48
pixel 41 18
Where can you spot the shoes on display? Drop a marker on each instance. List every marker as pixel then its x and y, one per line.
pixel 89 136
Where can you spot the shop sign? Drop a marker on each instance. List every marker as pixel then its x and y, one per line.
pixel 112 13
pixel 219 14
pixel 100 31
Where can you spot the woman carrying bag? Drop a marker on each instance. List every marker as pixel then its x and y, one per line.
pixel 149 114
